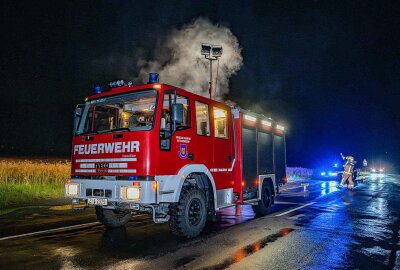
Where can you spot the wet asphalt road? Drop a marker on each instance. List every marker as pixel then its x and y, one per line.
pixel 321 228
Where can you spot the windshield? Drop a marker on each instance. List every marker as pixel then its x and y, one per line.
pixel 130 112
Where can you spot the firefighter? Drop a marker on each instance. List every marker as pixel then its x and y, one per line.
pixel 348 172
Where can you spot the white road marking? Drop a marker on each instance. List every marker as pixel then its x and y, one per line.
pixel 55 230
pixel 290 188
pixel 50 230
pixel 294 209
pixel 284 189
pixel 282 202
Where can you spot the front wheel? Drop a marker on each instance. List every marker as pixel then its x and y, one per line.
pixel 189 215
pixel 264 205
pixel 112 218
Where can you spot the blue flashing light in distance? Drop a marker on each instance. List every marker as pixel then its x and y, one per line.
pixel 335 165
pixel 153 78
pixel 97 89
pixel 132 177
pixel 323 173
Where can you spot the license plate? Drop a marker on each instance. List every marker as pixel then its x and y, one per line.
pixel 97 201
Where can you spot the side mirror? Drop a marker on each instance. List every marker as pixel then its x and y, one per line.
pixel 77 117
pixel 177 113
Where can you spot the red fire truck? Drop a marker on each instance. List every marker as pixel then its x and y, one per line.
pixel 178 156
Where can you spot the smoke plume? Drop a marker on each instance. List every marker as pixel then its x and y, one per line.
pixel 179 62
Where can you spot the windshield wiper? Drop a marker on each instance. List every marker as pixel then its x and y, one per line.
pixel 87 133
pixel 115 129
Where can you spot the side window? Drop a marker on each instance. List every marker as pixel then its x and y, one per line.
pixel 202 119
pixel 220 123
pixel 166 113
pixel 186 118
pixel 166 120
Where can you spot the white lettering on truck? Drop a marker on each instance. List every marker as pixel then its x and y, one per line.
pixel 101 148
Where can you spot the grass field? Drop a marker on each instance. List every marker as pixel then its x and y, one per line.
pixel 23 181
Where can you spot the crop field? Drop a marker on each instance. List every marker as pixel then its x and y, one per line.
pixel 23 181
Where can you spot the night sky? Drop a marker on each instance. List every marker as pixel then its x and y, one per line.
pixel 328 69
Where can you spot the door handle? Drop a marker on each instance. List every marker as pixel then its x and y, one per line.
pixel 118 136
pixel 191 156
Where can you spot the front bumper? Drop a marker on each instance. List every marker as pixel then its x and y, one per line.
pixel 112 190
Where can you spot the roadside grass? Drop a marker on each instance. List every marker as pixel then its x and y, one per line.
pixel 24 181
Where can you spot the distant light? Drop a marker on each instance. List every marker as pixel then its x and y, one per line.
pixel 323 173
pixel 332 174
pixel 250 118
pixel 157 86
pixel 280 127
pixel 266 123
pixel 132 177
pixel 153 78
pixel 381 170
pixel 335 165
pixel 97 89
pixel 373 170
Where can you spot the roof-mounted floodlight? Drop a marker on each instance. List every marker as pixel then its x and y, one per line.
pixel 250 118
pixel 206 49
pixel 280 127
pixel 216 51
pixel 266 123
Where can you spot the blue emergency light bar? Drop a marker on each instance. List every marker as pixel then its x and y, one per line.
pixel 97 89
pixel 153 78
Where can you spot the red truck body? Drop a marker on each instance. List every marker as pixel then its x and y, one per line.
pixel 233 151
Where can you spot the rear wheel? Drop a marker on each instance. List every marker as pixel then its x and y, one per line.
pixel 264 205
pixel 112 218
pixel 189 215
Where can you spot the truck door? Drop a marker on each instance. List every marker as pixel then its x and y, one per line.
pixel 176 150
pixel 223 147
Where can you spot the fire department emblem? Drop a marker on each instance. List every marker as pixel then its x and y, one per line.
pixel 183 151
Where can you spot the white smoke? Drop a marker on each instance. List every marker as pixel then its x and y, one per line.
pixel 179 62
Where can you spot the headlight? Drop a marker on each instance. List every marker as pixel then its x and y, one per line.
pixel 72 189
pixel 323 173
pixel 130 193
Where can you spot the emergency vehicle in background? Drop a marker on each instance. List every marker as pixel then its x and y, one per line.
pixel 161 150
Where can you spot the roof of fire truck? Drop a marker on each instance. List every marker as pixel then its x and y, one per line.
pixel 126 88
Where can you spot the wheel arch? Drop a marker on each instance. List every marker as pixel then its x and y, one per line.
pixel 174 184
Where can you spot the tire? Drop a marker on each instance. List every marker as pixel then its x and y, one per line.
pixel 189 215
pixel 264 205
pixel 112 218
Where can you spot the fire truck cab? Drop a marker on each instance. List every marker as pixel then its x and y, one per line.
pixel 161 150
